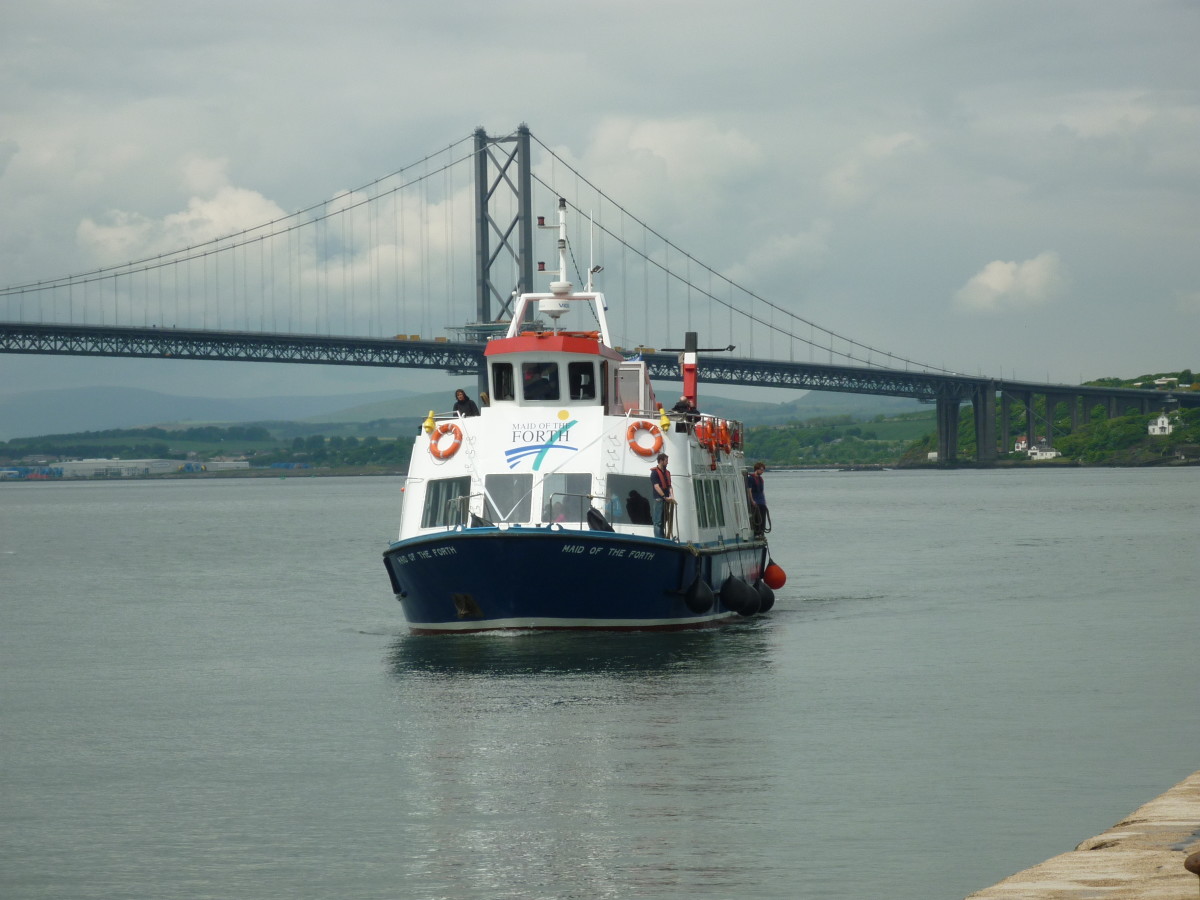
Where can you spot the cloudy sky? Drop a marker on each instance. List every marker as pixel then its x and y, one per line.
pixel 1007 188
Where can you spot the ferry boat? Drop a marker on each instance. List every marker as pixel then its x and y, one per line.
pixel 535 514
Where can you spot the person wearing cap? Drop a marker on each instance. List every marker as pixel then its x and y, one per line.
pixel 662 493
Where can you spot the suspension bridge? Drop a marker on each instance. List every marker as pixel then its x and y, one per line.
pixel 380 276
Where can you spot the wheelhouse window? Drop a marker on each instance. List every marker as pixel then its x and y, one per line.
pixel 446 502
pixel 508 497
pixel 502 381
pixel 565 496
pixel 540 380
pixel 581 376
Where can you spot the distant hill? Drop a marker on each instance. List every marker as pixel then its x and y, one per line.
pixel 392 407
pixel 811 405
pixel 66 411
pixel 69 411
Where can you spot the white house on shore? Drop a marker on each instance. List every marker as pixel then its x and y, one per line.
pixel 1043 452
pixel 1161 426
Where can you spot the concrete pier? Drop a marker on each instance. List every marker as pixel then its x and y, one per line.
pixel 1140 858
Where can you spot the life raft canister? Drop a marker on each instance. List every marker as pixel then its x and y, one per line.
pixel 723 439
pixel 450 449
pixel 634 432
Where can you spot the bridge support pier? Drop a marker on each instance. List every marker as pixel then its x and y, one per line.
pixel 983 404
pixel 947 429
pixel 1025 398
pixel 1006 441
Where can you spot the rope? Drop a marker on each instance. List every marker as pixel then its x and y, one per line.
pixel 669 519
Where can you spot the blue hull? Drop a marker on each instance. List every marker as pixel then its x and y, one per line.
pixel 551 578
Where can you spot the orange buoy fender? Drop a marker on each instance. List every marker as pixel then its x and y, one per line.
pixel 635 431
pixel 774 576
pixel 435 445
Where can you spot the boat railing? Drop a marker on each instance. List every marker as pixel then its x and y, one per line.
pixel 715 433
pixel 458 512
pixel 579 503
pixel 712 432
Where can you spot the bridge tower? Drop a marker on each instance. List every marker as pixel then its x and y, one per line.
pixel 502 173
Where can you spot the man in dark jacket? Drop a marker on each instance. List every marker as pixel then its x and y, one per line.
pixel 756 493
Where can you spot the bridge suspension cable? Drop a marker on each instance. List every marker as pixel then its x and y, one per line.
pixel 385 259
pixel 855 351
pixel 340 265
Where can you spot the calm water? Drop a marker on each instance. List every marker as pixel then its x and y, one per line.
pixel 208 692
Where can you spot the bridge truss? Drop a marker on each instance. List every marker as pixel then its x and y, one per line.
pixel 949 392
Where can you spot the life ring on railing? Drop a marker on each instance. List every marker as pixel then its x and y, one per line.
pixel 723 436
pixel 634 432
pixel 435 447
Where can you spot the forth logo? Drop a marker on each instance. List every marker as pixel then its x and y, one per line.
pixel 539 448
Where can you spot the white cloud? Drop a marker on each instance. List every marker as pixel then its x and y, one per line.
pixel 216 210
pixel 672 163
pixel 1000 286
pixel 860 175
pixel 785 256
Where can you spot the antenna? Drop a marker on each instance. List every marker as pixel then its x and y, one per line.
pixel 560 288
pixel 593 269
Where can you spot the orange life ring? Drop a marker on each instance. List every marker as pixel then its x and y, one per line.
pixel 434 439
pixel 635 430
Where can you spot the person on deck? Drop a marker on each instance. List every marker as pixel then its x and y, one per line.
pixel 686 408
pixel 662 492
pixel 755 493
pixel 464 405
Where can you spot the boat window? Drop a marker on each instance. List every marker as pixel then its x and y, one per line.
pixel 718 505
pixel 446 501
pixel 565 496
pixel 508 497
pixel 581 376
pixel 540 380
pixel 604 383
pixel 627 499
pixel 710 508
pixel 502 381
pixel 711 490
pixel 701 506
